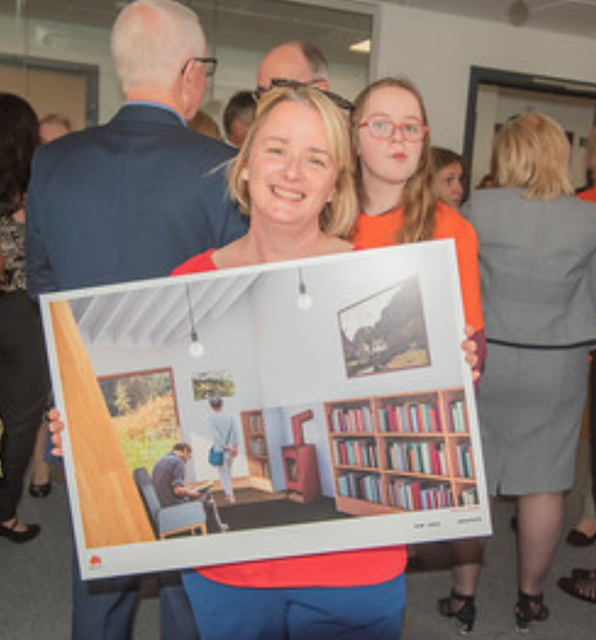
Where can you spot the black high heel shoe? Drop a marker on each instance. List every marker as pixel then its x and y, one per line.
pixel 529 608
pixel 463 608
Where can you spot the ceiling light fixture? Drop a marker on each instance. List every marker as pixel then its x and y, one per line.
pixel 304 300
pixel 195 348
pixel 518 13
pixel 361 47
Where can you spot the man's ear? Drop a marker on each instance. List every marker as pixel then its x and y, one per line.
pixel 244 174
pixel 191 87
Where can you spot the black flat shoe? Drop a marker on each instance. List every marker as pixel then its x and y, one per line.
pixel 10 533
pixel 580 539
pixel 40 490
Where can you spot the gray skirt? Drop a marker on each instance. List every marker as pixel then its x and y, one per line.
pixel 530 405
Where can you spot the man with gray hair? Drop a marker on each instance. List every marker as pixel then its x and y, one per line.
pixel 136 197
pixel 130 200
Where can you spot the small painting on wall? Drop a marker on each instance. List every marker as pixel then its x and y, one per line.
pixel 213 383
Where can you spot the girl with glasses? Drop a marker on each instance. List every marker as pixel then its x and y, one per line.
pixel 399 205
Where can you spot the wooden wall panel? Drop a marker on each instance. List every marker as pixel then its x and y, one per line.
pixel 111 507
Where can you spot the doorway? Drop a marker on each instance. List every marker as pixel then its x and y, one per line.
pixel 70 90
pixel 495 96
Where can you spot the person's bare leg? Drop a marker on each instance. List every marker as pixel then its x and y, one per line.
pixel 540 516
pixel 467 564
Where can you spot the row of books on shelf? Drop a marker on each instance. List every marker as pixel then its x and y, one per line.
pixel 356 453
pixel 404 494
pixel 351 420
pixel 457 419
pixel 418 457
pixel 415 495
pixel 362 486
pixel 410 417
pixel 464 464
pixel 257 446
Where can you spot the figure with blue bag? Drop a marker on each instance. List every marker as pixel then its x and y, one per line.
pixel 225 445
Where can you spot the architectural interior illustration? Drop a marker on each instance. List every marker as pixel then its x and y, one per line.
pixel 313 442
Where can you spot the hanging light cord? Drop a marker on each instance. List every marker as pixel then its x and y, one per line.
pixel 193 331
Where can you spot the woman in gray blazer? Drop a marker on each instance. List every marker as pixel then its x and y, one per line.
pixel 537 261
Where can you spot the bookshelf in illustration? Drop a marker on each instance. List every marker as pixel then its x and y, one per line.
pixel 257 452
pixel 405 452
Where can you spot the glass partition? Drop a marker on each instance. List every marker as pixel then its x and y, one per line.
pixel 55 53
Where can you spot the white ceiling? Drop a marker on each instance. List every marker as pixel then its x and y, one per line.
pixel 260 24
pixel 153 315
pixel 576 17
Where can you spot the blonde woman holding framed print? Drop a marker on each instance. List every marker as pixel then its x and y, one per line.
pixel 293 177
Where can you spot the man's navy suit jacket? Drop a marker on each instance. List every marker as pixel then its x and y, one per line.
pixel 126 201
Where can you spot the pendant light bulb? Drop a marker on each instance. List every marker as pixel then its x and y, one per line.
pixel 195 348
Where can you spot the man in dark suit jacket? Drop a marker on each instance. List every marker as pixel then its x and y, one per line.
pixel 131 200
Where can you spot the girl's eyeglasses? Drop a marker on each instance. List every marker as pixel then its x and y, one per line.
pixel 383 129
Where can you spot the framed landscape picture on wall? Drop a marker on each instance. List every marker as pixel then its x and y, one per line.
pixel 385 332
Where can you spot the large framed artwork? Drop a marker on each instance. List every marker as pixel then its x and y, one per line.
pixel 352 418
pixel 385 332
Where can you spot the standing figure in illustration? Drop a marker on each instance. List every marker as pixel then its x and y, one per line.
pixel 225 441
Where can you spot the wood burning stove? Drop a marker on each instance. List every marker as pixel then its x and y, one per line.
pixel 300 463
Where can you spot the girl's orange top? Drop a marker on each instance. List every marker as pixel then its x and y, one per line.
pixel 339 569
pixel 588 194
pixel 381 231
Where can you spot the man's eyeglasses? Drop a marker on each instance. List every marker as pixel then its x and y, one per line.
pixel 383 129
pixel 210 65
pixel 282 83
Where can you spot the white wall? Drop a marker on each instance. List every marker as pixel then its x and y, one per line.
pixel 437 50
